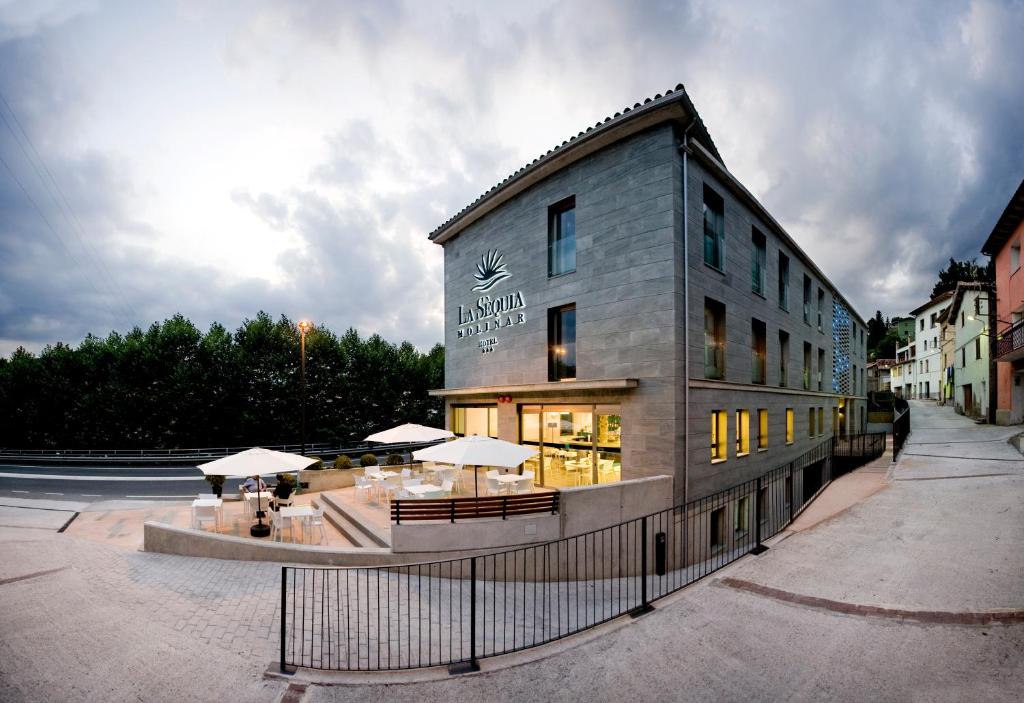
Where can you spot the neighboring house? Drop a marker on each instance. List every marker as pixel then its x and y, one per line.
pixel 926 341
pixel 625 305
pixel 1003 245
pixel 904 327
pixel 971 372
pixel 947 346
pixel 904 372
pixel 880 375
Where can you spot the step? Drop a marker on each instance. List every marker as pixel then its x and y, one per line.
pixel 349 524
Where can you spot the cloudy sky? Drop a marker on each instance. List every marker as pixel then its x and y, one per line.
pixel 216 159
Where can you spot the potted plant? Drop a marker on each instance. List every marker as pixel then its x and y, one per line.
pixel 216 484
pixel 394 460
pixel 367 460
pixel 343 462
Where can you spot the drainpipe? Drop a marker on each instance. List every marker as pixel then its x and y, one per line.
pixel 993 376
pixel 684 148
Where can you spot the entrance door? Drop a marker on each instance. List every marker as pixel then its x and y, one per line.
pixel 968 400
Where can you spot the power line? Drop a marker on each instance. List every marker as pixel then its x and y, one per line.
pixel 64 207
pixel 55 233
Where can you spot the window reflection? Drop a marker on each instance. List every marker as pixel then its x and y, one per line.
pixel 579 445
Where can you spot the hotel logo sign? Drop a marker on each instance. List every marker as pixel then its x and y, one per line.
pixel 490 313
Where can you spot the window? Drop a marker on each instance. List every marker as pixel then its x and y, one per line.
pixel 789 425
pixel 1014 257
pixel 821 369
pixel 807 366
pixel 758 260
pixel 714 339
pixel 810 422
pixel 926 345
pixel 835 420
pixel 479 420
pixel 783 281
pixel 717 525
pixel 821 309
pixel 977 305
pixel 741 513
pixel 783 358
pixel 854 379
pixel 562 237
pixel 718 435
pixel 714 229
pixel 961 318
pixel 562 343
pixel 788 495
pixel 931 323
pixel 977 347
pixel 821 421
pixel 807 299
pixel 742 432
pixel 762 429
pixel 576 444
pixel 758 352
pixel 922 324
pixel 963 357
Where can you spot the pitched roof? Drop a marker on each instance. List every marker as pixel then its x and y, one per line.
pixel 958 295
pixel 673 106
pixel 1007 223
pixel 934 301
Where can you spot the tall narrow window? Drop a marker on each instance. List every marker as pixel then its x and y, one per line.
pixel 1014 257
pixel 562 343
pixel 783 358
pixel 758 260
pixel 718 435
pixel 716 523
pixel 835 420
pixel 821 309
pixel 821 421
pixel 740 516
pixel 758 351
pixel 762 429
pixel 807 366
pixel 807 299
pixel 562 237
pixel 810 422
pixel 789 425
pixel 742 432
pixel 714 339
pixel 783 281
pixel 821 369
pixel 714 229
pixel 977 347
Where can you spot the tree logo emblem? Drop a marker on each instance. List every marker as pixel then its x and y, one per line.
pixel 490 271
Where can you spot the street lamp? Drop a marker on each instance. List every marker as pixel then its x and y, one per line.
pixel 304 327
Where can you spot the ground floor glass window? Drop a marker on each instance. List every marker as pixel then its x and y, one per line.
pixel 580 445
pixel 475 419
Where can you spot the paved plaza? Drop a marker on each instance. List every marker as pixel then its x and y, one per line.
pixel 900 586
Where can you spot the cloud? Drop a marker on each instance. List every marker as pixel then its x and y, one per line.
pixel 292 157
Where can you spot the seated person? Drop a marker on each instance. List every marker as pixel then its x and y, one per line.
pixel 254 484
pixel 283 489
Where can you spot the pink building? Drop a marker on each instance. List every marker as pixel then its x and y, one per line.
pixel 1003 245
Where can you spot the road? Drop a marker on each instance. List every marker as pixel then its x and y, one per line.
pixel 99 483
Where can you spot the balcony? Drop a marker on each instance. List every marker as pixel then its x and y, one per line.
pixel 1010 343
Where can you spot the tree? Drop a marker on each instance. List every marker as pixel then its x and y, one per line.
pixel 958 271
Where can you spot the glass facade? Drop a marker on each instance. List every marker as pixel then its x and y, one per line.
pixel 580 445
pixel 475 419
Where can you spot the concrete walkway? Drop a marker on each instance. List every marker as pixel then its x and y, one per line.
pixel 909 594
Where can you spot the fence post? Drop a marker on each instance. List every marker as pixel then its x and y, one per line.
pixel 645 606
pixel 758 548
pixel 471 665
pixel 284 615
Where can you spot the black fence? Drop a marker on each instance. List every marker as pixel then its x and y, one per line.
pixel 457 611
pixel 900 427
pixel 850 452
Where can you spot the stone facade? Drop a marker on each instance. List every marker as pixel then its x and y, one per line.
pixel 639 298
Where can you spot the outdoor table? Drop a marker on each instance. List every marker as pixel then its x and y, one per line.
pixel 510 479
pixel 263 495
pixel 422 490
pixel 303 512
pixel 379 477
pixel 210 503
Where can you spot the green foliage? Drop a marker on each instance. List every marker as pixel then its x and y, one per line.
pixel 318 466
pixel 965 271
pixel 343 462
pixel 215 480
pixel 367 460
pixel 289 478
pixel 394 460
pixel 174 386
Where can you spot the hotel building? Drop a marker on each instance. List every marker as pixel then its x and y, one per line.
pixel 627 306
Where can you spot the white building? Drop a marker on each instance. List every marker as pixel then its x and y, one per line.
pixel 927 344
pixel 968 316
pixel 904 371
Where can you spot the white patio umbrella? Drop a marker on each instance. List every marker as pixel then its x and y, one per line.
pixel 256 462
pixel 477 451
pixel 409 433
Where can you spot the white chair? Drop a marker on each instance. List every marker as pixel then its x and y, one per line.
pixel 406 473
pixel 493 485
pixel 317 520
pixel 525 484
pixel 391 486
pixel 364 485
pixel 283 502
pixel 204 513
pixel 446 489
pixel 457 477
pixel 277 526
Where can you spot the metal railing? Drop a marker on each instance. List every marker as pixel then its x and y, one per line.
pixel 854 450
pixel 1010 339
pixel 452 509
pixel 457 611
pixel 900 428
